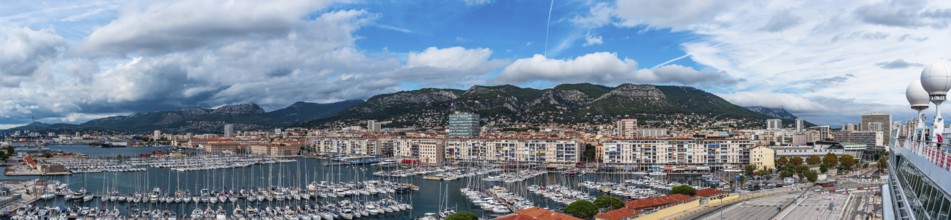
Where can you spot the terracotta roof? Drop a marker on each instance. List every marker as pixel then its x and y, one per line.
pixel 618 214
pixel 709 192
pixel 657 201
pixel 536 213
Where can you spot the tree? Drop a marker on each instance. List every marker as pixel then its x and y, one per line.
pixel 823 168
pixel 781 162
pixel 830 160
pixel 463 216
pixel 785 173
pixel 742 180
pixel 683 189
pixel 47 154
pixel 763 172
pixel 812 176
pixel 9 150
pixel 608 202
pixel 581 209
pixel 4 156
pixel 590 152
pixel 795 161
pixel 882 163
pixel 813 160
pixel 847 162
pixel 750 169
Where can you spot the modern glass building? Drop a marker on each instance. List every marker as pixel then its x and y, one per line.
pixel 464 125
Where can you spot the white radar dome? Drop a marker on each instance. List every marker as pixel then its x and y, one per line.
pixel 936 79
pixel 917 96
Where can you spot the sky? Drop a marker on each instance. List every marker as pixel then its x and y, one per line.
pixel 827 62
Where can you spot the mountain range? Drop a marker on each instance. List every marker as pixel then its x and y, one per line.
pixel 201 120
pixel 507 105
pixel 499 106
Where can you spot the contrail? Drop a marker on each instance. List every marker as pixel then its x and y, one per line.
pixel 548 26
pixel 671 61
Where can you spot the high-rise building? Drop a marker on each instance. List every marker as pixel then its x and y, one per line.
pixel 800 125
pixel 156 135
pixel 774 124
pixel 626 128
pixel 229 130
pixel 464 125
pixel 877 122
pixel 849 127
pixel 373 126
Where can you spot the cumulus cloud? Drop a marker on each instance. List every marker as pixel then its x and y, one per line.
pixel 777 51
pixel 25 52
pixel 603 68
pixel 590 39
pixel 179 25
pixel 793 103
pixel 433 65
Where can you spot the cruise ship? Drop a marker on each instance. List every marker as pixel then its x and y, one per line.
pixel 919 167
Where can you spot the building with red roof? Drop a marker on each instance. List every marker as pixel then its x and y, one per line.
pixel 657 201
pixel 536 213
pixel 623 213
pixel 709 192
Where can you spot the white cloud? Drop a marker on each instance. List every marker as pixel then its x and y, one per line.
pixel 590 39
pixel 810 50
pixel 478 2
pixel 180 25
pixel 433 65
pixel 604 68
pixel 26 52
pixel 676 14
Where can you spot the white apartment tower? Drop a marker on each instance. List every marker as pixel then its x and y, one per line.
pixel 774 124
pixel 627 128
pixel 229 130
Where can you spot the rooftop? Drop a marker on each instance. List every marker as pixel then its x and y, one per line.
pixel 618 214
pixel 536 213
pixel 657 201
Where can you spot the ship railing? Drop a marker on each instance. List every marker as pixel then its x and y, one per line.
pixel 938 156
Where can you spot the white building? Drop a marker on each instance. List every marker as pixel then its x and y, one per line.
pixel 800 125
pixel 774 124
pixel 549 151
pixel 682 153
pixel 229 130
pixel 156 134
pixel 626 128
pixel 373 126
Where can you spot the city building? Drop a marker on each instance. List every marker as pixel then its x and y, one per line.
pixel 652 133
pixel 774 124
pixel 464 125
pixel 763 157
pixel 373 126
pixel 849 127
pixel 229 130
pixel 869 138
pixel 548 151
pixel 820 149
pixel 156 135
pixel 686 154
pixel 877 122
pixel 626 128
pixel 800 125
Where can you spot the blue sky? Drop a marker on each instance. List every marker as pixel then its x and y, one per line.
pixel 71 61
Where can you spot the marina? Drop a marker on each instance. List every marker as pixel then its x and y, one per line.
pixel 301 185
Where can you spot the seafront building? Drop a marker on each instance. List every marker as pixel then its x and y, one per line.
pixel 688 154
pixel 547 150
